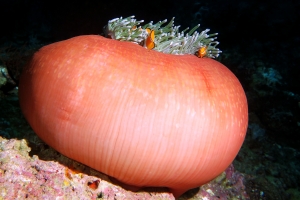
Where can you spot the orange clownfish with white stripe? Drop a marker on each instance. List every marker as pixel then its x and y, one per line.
pixel 201 52
pixel 149 42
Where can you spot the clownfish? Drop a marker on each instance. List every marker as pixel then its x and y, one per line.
pixel 134 28
pixel 201 52
pixel 149 42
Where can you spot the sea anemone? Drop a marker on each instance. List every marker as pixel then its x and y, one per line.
pixel 142 116
pixel 168 38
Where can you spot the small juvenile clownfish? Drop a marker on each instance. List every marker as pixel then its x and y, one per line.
pixel 149 43
pixel 201 52
pixel 134 28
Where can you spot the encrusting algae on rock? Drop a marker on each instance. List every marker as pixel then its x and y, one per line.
pixel 28 177
pixel 23 176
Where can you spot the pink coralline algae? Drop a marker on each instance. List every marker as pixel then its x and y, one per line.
pixel 28 177
pixel 25 177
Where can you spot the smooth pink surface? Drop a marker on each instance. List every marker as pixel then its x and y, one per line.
pixel 143 117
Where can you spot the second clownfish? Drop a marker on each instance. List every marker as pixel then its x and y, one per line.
pixel 149 42
pixel 201 52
